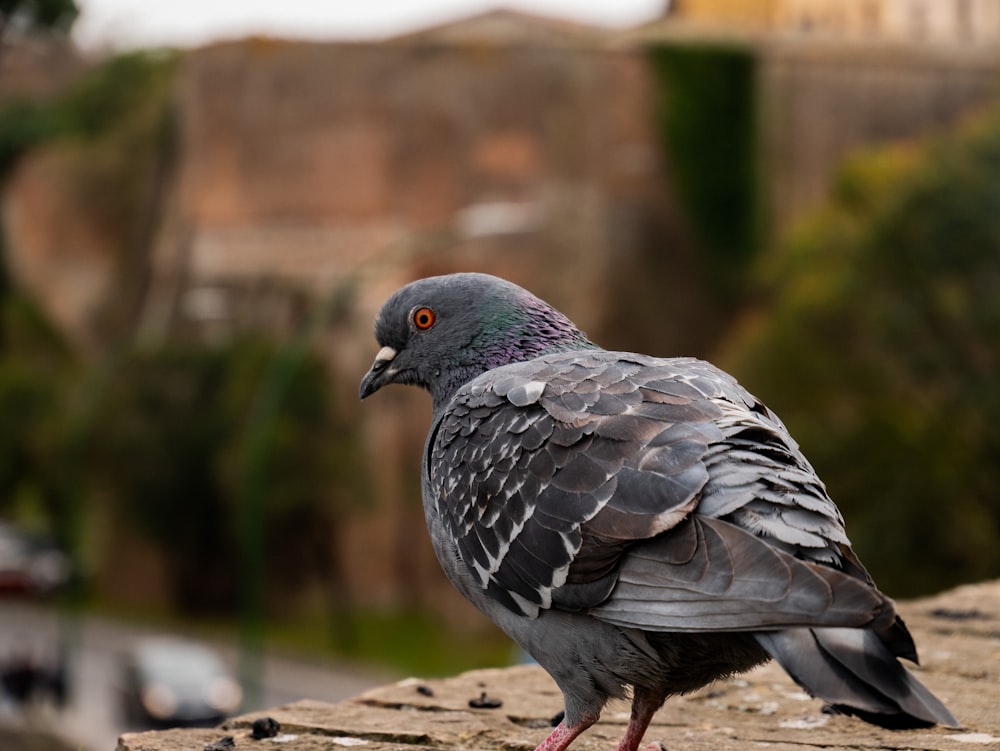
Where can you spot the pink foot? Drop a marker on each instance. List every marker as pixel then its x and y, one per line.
pixel 562 735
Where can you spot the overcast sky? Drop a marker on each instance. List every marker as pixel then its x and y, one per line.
pixel 140 23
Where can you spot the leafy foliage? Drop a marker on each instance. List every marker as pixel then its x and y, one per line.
pixel 708 127
pixel 123 87
pixel 109 98
pixel 36 369
pixel 22 125
pixel 170 452
pixel 881 350
pixel 161 435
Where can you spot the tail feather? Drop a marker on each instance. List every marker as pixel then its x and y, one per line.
pixel 858 674
pixel 897 638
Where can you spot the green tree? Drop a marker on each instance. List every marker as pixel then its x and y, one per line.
pixel 36 375
pixel 881 348
pixel 707 121
pixel 170 453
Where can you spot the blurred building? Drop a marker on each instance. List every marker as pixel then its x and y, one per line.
pixel 904 21
pixel 506 141
pixel 760 15
pixel 935 21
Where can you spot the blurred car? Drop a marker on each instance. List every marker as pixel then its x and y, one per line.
pixel 169 682
pixel 30 564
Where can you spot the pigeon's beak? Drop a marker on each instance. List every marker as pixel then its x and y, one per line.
pixel 380 373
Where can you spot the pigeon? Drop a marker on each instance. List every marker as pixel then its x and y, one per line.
pixel 640 526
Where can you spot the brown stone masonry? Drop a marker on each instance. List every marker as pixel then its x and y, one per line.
pixel 958 634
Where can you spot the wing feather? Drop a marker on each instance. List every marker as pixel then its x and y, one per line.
pixel 734 581
pixel 653 493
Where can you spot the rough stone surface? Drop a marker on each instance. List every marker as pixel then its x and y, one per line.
pixel 957 632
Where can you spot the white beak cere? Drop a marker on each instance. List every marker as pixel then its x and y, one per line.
pixel 379 373
pixel 386 354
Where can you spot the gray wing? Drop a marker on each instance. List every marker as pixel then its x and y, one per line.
pixel 651 493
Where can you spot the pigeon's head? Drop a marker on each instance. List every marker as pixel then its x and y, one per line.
pixel 443 331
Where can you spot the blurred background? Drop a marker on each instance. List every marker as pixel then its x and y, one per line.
pixel 204 205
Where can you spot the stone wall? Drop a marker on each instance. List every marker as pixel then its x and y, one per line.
pixel 321 162
pixel 764 710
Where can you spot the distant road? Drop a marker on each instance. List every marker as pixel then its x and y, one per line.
pixel 91 720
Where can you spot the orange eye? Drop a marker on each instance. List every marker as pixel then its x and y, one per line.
pixel 423 318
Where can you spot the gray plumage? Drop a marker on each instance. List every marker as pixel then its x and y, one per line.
pixel 632 522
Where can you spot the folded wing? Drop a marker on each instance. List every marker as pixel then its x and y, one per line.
pixel 654 493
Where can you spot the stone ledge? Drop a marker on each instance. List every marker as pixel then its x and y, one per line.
pixel 958 634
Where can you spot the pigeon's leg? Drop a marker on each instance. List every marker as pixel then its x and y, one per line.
pixel 644 705
pixel 564 734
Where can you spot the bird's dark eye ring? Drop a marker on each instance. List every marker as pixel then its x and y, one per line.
pixel 423 318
